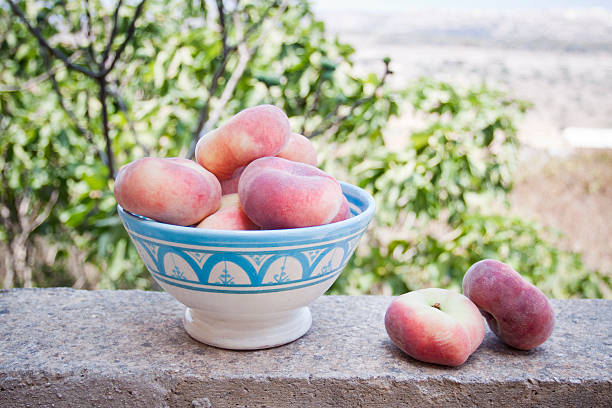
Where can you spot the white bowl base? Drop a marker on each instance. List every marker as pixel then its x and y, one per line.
pixel 247 331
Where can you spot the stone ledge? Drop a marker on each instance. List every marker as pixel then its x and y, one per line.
pixel 68 348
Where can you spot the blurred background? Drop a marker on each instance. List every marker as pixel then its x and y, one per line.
pixel 483 131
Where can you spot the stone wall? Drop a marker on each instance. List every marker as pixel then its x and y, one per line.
pixel 68 348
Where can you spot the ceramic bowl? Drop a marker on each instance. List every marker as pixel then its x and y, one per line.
pixel 249 289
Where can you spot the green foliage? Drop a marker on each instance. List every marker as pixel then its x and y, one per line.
pixel 433 195
pixel 442 261
pixel 172 78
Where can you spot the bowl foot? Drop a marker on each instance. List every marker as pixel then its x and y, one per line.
pixel 246 331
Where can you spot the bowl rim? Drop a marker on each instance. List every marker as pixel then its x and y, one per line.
pixel 349 191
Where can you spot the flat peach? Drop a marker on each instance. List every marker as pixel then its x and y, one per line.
pixel 516 311
pixel 344 213
pixel 230 185
pixel 252 133
pixel 229 216
pixel 279 193
pixel 168 190
pixel 299 149
pixel 435 325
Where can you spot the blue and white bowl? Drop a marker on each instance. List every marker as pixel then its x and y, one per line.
pixel 249 289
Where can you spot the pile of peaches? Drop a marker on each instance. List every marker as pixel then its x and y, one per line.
pixel 250 173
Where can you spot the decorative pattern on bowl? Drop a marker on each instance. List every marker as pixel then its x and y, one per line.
pixel 240 270
pixel 231 276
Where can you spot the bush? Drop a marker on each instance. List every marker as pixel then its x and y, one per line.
pixel 434 198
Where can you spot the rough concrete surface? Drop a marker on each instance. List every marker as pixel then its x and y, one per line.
pixel 68 348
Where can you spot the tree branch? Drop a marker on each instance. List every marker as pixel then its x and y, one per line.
pixel 128 37
pixel 244 55
pixel 122 106
pixel 221 11
pixel 8 210
pixel 83 131
pixel 69 112
pixel 30 83
pixel 112 35
pixel 90 50
pixel 31 218
pixel 44 214
pixel 23 209
pixel 43 42
pixel 204 112
pixel 314 105
pixel 109 148
pixel 253 27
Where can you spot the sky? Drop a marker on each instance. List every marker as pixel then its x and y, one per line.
pixel 395 5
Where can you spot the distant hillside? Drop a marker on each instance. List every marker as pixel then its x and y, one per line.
pixel 579 30
pixel 561 60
